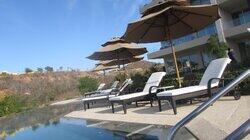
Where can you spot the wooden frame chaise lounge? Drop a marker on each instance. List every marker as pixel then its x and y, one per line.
pixel 208 84
pixel 148 91
pixel 105 95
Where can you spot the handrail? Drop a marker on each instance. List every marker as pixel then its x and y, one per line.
pixel 206 104
pixel 240 132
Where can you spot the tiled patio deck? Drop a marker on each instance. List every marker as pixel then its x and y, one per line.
pixel 220 119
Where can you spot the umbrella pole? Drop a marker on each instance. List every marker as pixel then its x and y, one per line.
pixel 174 56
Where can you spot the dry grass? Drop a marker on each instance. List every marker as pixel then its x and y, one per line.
pixel 42 87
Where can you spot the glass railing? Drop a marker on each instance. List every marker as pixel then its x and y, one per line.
pixel 209 30
pixel 242 19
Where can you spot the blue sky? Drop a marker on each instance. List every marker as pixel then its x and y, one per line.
pixel 39 33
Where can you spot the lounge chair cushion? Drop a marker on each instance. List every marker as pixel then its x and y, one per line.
pixel 128 96
pixel 181 91
pixel 214 70
pixel 154 80
pixel 106 91
pixel 97 98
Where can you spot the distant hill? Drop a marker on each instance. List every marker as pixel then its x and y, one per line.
pixel 140 65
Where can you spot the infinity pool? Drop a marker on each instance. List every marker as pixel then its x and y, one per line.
pixel 49 124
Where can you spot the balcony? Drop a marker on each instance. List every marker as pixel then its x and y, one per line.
pixel 240 26
pixel 209 30
pixel 238 32
pixel 233 5
pixel 186 47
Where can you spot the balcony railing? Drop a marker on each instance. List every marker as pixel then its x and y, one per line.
pixel 209 30
pixel 243 19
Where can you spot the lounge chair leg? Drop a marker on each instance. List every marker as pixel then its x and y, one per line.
pixel 84 106
pixel 136 104
pixel 159 104
pixel 173 103
pixel 124 108
pixel 88 105
pixel 113 109
pixel 151 103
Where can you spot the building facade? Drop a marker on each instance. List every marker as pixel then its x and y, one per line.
pixel 233 28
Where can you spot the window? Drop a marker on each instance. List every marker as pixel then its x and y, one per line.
pixel 211 29
pixel 241 17
pixel 199 2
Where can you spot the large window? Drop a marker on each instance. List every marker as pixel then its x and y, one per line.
pixel 211 29
pixel 198 2
pixel 241 17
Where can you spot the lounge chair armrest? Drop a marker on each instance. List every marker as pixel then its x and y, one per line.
pixel 166 87
pixel 152 88
pixel 209 85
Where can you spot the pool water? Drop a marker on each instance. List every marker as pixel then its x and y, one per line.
pixel 70 129
pixel 49 124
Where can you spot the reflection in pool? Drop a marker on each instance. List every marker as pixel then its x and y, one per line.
pixel 69 129
pixel 49 123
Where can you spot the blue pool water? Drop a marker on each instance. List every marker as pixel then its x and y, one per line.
pixel 71 129
pixel 48 123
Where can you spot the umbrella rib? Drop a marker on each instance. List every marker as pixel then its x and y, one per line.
pixel 132 30
pixel 177 21
pixel 147 30
pixel 183 21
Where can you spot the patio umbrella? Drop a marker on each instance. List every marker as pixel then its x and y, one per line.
pixel 169 23
pixel 117 49
pixel 121 61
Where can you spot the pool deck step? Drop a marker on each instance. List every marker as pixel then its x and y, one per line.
pixel 139 130
pixel 203 129
pixel 97 124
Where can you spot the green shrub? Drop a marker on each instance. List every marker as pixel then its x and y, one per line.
pixel 10 104
pixel 28 70
pixel 140 79
pixel 215 47
pixel 235 70
pixel 87 84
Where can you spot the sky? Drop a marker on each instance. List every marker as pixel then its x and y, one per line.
pixel 61 33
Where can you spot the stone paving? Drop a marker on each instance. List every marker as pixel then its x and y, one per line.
pixel 215 123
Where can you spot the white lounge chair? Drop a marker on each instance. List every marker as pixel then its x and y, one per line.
pixel 100 87
pixel 149 89
pixel 107 91
pixel 210 79
pixel 105 95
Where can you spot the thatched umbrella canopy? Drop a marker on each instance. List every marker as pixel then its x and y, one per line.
pixel 117 49
pixel 120 62
pixel 170 22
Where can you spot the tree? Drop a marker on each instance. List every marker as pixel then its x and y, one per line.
pixel 61 68
pixel 216 47
pixel 40 70
pixel 49 69
pixel 28 70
